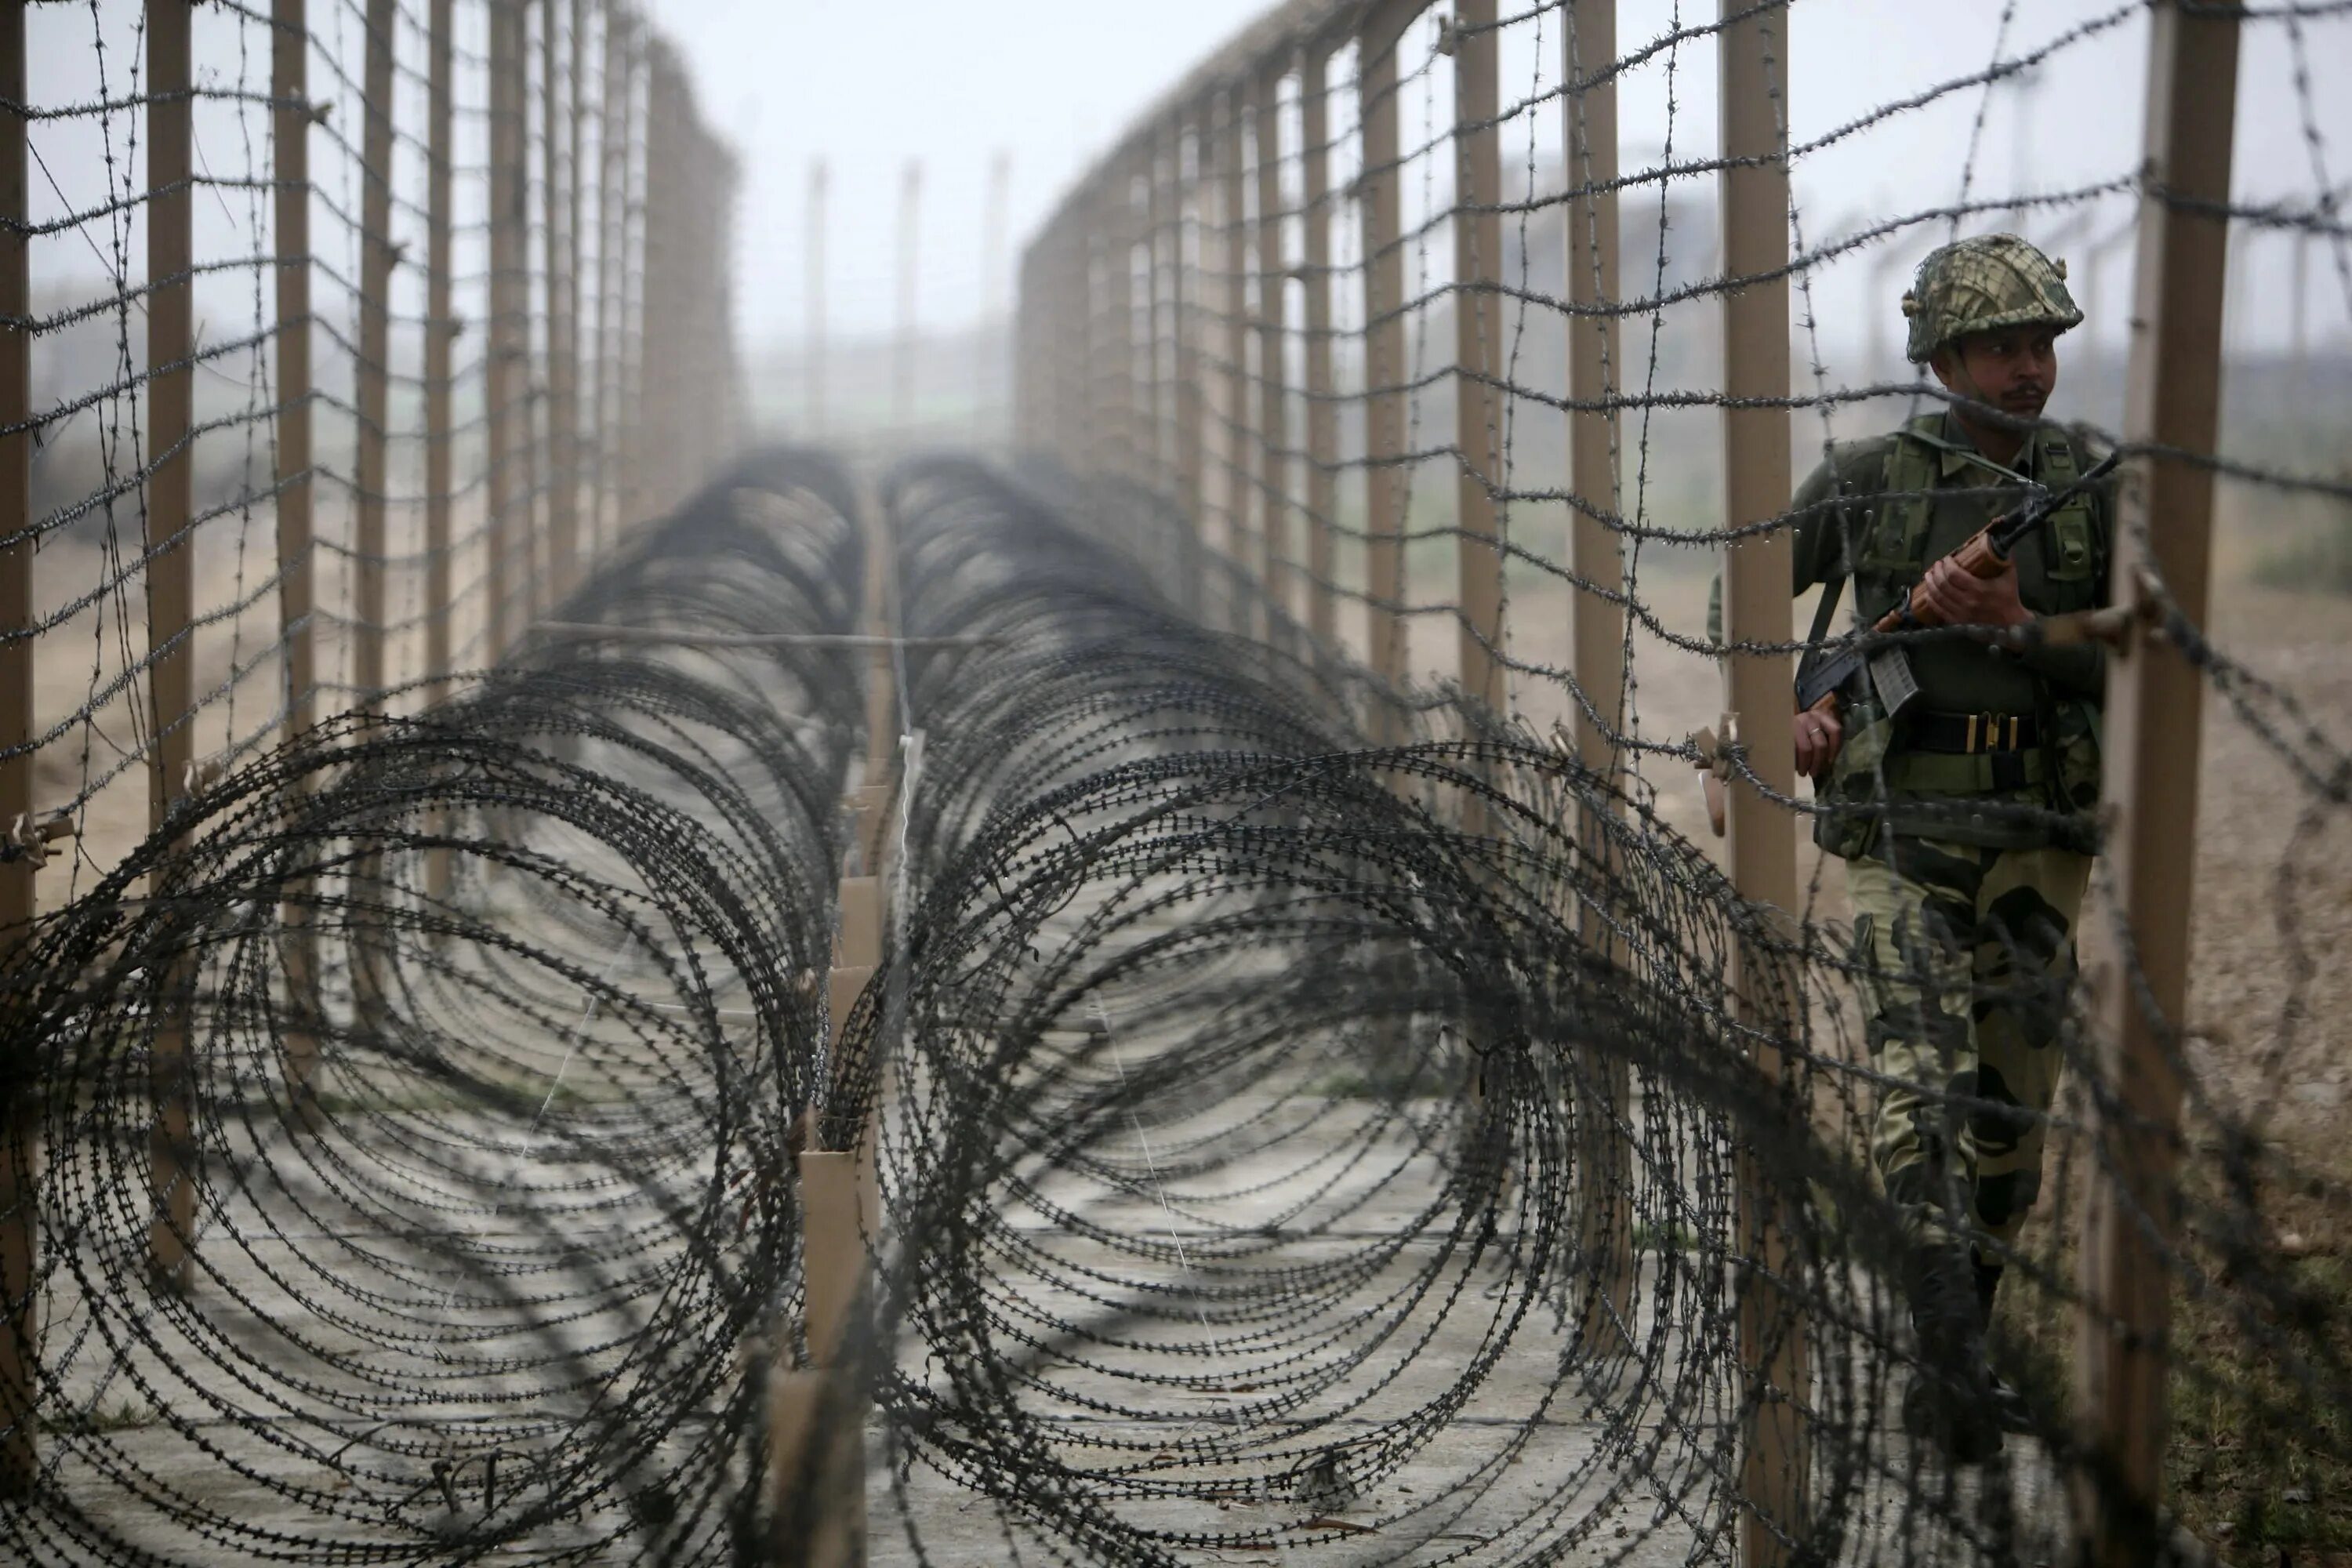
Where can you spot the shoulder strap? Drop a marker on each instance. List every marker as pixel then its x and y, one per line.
pixel 1823 610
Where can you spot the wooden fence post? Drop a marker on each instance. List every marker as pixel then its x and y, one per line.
pixel 1322 407
pixel 1382 213
pixel 19 1176
pixel 170 425
pixel 1753 52
pixel 1478 351
pixel 818 1411
pixel 1588 43
pixel 2155 695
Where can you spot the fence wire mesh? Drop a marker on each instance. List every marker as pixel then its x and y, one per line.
pixel 1234 892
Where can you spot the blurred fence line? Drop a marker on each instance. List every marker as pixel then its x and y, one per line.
pixel 336 341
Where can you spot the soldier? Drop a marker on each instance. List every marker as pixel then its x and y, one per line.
pixel 1964 821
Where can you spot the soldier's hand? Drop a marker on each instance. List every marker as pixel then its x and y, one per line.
pixel 1953 596
pixel 1818 735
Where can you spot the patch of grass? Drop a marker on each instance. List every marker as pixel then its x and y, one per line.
pixel 124 1415
pixel 2256 1464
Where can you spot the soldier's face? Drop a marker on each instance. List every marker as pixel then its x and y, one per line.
pixel 2014 369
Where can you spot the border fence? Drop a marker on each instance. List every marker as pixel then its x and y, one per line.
pixel 339 340
pixel 1381 283
pixel 579 989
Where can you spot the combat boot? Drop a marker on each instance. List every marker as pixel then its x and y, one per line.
pixel 1950 1401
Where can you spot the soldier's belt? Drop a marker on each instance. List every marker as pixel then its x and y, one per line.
pixel 1971 734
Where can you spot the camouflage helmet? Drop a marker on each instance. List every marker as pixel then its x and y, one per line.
pixel 1981 285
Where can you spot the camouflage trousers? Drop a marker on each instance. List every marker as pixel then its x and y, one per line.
pixel 1970 958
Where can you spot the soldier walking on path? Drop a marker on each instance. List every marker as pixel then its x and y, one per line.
pixel 1958 789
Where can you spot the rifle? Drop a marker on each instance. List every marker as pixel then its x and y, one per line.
pixel 1985 554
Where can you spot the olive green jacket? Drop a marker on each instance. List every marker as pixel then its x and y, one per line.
pixel 1875 513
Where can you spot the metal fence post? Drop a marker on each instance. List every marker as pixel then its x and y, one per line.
pixel 1322 407
pixel 1381 210
pixel 170 430
pixel 374 355
pixel 1605 1216
pixel 1478 350
pixel 2155 695
pixel 1111 222
pixel 1275 566
pixel 1754 182
pixel 19 1182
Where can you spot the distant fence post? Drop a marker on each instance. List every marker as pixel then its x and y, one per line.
pixel 1588 44
pixel 441 329
pixel 2155 696
pixel 629 372
pixel 1185 323
pixel 662 324
pixel 1273 280
pixel 508 415
pixel 1234 442
pixel 1075 426
pixel 289 153
pixel 172 730
pixel 910 223
pixel 1753 50
pixel 1478 350
pixel 612 237
pixel 995 229
pixel 1150 230
pixel 19 1177
pixel 1111 221
pixel 813 287
pixel 1382 211
pixel 562 492
pixel 290 123
pixel 1322 409
pixel 374 355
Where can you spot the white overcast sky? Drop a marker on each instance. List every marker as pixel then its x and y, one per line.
pixel 868 84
